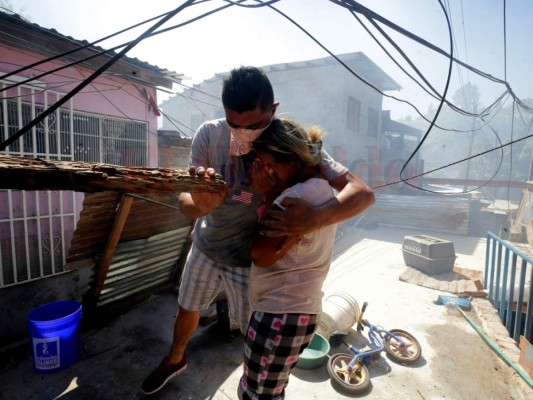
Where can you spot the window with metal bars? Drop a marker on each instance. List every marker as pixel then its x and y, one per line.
pixel 93 138
pixel 36 226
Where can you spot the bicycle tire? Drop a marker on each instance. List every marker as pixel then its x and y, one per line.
pixel 356 380
pixel 409 353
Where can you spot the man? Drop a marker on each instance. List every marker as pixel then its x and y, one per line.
pixel 226 221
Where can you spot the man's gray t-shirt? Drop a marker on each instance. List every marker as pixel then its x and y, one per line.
pixel 224 234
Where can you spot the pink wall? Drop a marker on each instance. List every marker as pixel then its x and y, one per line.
pixel 107 94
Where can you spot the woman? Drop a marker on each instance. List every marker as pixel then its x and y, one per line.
pixel 285 286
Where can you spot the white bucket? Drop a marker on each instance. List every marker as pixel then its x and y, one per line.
pixel 340 312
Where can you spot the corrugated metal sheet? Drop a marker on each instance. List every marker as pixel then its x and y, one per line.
pixel 434 213
pixel 148 253
pixel 145 219
pixel 144 264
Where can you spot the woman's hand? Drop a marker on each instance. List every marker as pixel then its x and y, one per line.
pixel 263 177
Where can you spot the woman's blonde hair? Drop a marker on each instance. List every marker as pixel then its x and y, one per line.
pixel 288 141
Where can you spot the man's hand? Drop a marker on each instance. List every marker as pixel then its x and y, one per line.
pixel 198 204
pixel 201 171
pixel 298 218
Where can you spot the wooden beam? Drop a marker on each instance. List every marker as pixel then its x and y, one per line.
pixel 24 173
pixel 111 245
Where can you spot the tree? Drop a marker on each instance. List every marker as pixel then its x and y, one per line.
pixel 467 97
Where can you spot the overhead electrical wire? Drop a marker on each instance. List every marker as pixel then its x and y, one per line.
pixel 192 99
pixel 78 48
pixel 439 108
pixel 452 164
pixel 241 4
pixel 93 76
pixel 104 51
pixel 353 5
pixel 371 16
pixel 505 39
pixel 379 91
pixel 262 4
pixel 436 95
pixel 452 59
pixel 126 116
pixel 512 115
pixel 127 46
pixel 459 74
pixel 173 121
pixel 441 97
pixel 192 88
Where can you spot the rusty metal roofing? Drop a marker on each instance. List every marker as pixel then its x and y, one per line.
pixel 150 244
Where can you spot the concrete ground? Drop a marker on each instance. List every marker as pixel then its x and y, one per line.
pixel 456 362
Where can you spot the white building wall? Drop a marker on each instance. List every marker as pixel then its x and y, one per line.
pixel 310 94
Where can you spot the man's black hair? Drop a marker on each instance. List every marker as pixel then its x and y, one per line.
pixel 245 88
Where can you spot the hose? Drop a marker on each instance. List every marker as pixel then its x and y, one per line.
pixel 495 347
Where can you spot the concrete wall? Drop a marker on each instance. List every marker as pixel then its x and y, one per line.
pixel 107 95
pixel 17 301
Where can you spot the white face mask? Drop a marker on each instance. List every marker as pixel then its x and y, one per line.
pixel 242 140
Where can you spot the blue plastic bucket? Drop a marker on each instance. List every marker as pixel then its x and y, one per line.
pixel 54 335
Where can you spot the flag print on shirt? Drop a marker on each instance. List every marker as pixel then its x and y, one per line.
pixel 242 196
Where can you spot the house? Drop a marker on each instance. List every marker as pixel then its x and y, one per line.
pixel 174 149
pixel 343 96
pixel 59 244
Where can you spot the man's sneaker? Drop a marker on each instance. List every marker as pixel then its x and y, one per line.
pixel 162 374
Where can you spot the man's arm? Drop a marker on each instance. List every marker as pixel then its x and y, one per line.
pixel 198 204
pixel 299 217
pixel 266 251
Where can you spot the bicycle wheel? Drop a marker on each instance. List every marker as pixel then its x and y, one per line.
pixel 351 380
pixel 407 352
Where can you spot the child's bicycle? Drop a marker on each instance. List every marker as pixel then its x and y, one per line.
pixel 349 372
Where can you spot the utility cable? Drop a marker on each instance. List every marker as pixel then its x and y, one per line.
pixel 505 39
pixel 192 88
pixel 174 121
pixel 443 96
pixel 263 3
pixel 342 62
pixel 105 51
pixel 55 57
pixel 391 57
pixel 460 76
pixel 354 6
pixel 402 53
pixel 450 165
pixel 510 162
pixel 69 95
pixel 366 82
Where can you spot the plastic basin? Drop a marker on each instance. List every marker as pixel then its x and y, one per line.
pixel 315 354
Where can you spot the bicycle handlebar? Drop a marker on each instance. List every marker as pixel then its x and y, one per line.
pixel 363 311
pixel 360 321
